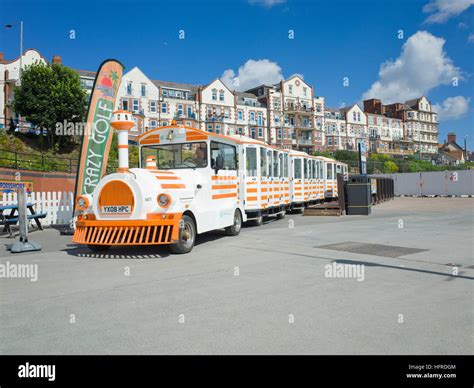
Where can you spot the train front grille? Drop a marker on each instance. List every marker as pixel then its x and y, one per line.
pixel 123 235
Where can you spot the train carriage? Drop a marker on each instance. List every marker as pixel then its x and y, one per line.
pixel 297 180
pixel 265 177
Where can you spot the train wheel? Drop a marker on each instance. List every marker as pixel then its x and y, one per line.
pixel 281 215
pixel 234 230
pixel 98 248
pixel 187 236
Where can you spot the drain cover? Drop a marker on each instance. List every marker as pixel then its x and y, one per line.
pixel 372 249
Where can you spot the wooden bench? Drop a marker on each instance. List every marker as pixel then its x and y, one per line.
pixel 7 220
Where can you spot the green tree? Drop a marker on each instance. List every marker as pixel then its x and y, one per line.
pixel 327 154
pixel 50 94
pixel 345 156
pixel 390 167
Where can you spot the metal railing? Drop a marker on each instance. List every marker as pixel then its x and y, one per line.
pixel 37 162
pixel 46 162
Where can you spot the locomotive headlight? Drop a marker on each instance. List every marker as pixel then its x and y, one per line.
pixel 164 200
pixel 82 202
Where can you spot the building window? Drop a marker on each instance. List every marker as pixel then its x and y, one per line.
pixel 180 109
pixel 259 118
pixel 129 88
pixel 153 123
pixel 252 133
pixel 209 127
pixel 218 128
pixel 164 93
pixel 164 107
pixel 290 89
pixel 354 116
pixel 136 105
pixel 240 115
pixel 153 106
pixel 178 94
pixel 305 90
pixel 279 134
pixel 221 95
pixel 164 123
pixel 240 131
pixel 260 132
pixel 189 112
pixel 252 116
pixel 125 104
pixel 358 116
pixel 214 94
pixel 143 90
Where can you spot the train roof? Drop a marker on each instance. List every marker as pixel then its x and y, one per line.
pixel 153 136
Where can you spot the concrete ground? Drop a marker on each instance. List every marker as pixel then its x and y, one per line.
pixel 263 292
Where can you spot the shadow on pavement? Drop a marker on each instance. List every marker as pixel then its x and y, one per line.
pixel 369 264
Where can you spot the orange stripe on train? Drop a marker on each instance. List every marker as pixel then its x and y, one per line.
pixel 218 187
pixel 219 196
pixel 173 186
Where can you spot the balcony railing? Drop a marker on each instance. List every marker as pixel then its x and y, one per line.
pixel 298 108
pixel 305 141
pixel 304 127
pixel 178 116
pixel 394 151
pixel 215 118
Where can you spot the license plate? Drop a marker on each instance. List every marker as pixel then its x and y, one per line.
pixel 121 209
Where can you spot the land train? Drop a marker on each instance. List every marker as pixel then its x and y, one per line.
pixel 191 181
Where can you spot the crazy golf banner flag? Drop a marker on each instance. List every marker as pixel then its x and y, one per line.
pixel 97 136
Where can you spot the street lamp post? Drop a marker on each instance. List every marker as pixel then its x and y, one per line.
pixel 21 58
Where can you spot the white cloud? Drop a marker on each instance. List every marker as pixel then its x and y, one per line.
pixel 470 38
pixel 421 66
pixel 253 73
pixel 452 108
pixel 266 3
pixel 442 10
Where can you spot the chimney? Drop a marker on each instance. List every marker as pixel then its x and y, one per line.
pixel 57 60
pixel 451 137
pixel 122 122
pixel 2 58
pixel 374 105
pixel 151 162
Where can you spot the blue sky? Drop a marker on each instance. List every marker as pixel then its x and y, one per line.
pixel 332 40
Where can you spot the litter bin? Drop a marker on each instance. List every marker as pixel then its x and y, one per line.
pixel 359 195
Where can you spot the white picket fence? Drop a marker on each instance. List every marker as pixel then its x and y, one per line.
pixel 57 205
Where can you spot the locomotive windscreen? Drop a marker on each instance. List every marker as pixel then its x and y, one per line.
pixel 177 156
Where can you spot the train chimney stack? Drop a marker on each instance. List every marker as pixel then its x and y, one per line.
pixel 122 122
